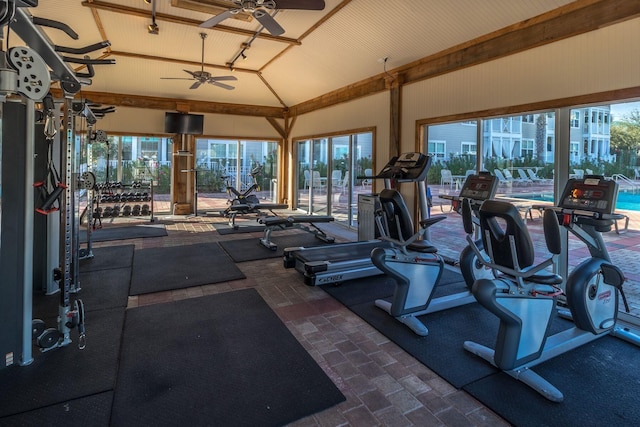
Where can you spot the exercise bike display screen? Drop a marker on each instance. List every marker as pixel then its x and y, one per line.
pixel 591 194
pixel 479 187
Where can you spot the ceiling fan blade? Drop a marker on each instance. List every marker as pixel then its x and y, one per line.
pixel 268 22
pixel 175 78
pixel 222 85
pixel 222 78
pixel 195 85
pixel 300 4
pixel 190 72
pixel 215 20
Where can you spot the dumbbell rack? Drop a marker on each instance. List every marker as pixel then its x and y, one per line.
pixel 124 200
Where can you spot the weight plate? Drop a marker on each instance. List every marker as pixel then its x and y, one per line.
pixel 37 328
pixel 49 338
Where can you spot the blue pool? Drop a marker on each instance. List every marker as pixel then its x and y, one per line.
pixel 626 201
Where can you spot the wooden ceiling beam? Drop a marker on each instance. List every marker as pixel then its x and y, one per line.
pixel 116 8
pixel 168 104
pixel 179 61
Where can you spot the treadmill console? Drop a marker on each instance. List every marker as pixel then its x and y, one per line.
pixel 479 187
pixel 592 193
pixel 408 167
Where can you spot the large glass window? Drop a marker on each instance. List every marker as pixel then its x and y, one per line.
pixel 331 172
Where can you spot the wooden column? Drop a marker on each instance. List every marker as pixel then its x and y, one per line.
pixel 393 82
pixel 182 183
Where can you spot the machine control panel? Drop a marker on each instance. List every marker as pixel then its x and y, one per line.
pixel 406 167
pixel 479 187
pixel 592 193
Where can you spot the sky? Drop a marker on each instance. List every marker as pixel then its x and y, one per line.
pixel 619 110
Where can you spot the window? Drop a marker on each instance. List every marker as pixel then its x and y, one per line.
pixel 527 148
pixel 575 119
pixel 437 149
pixel 468 148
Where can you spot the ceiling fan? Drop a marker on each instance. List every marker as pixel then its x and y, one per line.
pixel 203 76
pixel 260 10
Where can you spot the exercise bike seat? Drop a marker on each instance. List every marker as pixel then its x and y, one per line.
pixel 512 247
pixel 398 223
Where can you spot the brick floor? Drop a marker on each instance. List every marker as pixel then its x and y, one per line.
pixel 383 384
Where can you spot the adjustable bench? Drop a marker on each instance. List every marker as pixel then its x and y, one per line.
pixel 302 222
pixel 250 208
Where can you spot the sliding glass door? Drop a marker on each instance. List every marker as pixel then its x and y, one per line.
pixel 327 169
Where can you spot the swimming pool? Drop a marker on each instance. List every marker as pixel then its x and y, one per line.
pixel 626 200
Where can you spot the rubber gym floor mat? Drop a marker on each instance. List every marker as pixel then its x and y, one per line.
pixel 64 374
pixel 251 249
pixel 108 257
pixel 599 381
pixel 94 410
pixel 243 227
pixel 138 231
pixel 178 267
pixel 219 360
pixel 99 290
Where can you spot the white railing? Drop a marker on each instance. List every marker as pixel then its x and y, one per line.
pixel 620 178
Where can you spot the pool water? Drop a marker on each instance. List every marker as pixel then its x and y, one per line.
pixel 626 201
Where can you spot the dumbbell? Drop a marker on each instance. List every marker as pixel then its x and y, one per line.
pixel 107 212
pixel 126 211
pixel 97 213
pixel 115 211
pixel 145 209
pixel 136 210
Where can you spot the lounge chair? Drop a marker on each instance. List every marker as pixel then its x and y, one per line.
pixel 533 177
pixel 524 178
pixel 501 178
pixel 509 177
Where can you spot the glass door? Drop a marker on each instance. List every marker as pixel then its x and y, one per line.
pixel 312 165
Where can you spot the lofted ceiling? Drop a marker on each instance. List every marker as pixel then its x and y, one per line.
pixel 320 51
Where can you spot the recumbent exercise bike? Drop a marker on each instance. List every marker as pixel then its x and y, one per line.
pixel 523 295
pixel 412 261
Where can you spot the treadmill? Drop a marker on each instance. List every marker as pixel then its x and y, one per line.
pixel 340 262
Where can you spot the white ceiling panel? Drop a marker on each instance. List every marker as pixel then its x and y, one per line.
pixel 343 50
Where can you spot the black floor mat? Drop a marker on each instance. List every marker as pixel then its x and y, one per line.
pixel 99 290
pixel 599 381
pixel 66 373
pixel 108 257
pixel 243 227
pixel 219 360
pixel 94 411
pixel 251 249
pixel 178 267
pixel 125 232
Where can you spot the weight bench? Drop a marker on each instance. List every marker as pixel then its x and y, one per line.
pixel 302 222
pixel 248 208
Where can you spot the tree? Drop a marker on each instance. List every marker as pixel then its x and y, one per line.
pixel 625 137
pixel 541 136
pixel 625 133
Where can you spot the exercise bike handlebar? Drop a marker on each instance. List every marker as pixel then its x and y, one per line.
pixel 581 212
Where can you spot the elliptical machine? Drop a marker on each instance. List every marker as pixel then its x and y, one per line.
pixel 414 263
pixel 523 296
